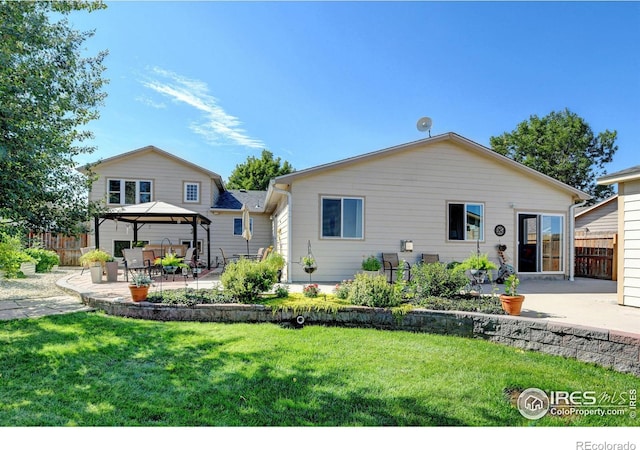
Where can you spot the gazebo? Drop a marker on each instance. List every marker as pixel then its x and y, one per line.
pixel 155 213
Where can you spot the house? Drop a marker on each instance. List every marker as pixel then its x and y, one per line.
pixel 444 194
pixel 150 174
pixel 599 218
pixel 628 200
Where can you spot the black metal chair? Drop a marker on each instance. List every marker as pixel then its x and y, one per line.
pixel 391 263
pixel 429 258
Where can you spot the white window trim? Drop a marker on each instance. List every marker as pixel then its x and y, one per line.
pixel 185 187
pixel 483 221
pixel 122 182
pixel 341 198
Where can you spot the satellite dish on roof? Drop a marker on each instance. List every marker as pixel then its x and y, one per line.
pixel 424 124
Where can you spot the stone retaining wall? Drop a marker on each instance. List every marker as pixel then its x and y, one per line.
pixel 615 349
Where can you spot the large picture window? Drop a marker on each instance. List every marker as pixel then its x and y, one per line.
pixel 342 217
pixel 128 192
pixel 466 221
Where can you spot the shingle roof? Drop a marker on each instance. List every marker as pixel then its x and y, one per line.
pixel 235 198
pixel 631 173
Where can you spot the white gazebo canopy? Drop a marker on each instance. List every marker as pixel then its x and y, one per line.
pixel 158 213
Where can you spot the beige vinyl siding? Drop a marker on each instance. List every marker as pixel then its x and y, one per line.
pixel 222 234
pixel 631 226
pixel 168 176
pixel 281 233
pixel 600 219
pixel 405 197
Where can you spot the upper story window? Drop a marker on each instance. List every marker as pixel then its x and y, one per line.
pixel 128 192
pixel 342 217
pixel 466 221
pixel 191 192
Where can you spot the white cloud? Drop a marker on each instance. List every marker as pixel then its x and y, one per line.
pixel 216 127
pixel 149 102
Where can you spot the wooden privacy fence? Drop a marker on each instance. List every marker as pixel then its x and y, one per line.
pixel 596 255
pixel 67 247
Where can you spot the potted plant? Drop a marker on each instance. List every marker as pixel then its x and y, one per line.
pixel 309 264
pixel 511 300
pixel 111 267
pixel 371 265
pixel 171 262
pixel 478 264
pixel 139 286
pixel 95 260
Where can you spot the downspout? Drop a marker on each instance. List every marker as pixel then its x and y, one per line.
pixel 289 205
pixel 572 239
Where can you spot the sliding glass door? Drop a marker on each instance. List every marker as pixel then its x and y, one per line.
pixel 540 243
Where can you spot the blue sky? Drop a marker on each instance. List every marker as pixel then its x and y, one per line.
pixel 313 82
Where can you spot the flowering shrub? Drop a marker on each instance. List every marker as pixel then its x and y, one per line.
pixel 311 290
pixel 342 289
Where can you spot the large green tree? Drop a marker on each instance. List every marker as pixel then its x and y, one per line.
pixel 563 146
pixel 256 173
pixel 49 92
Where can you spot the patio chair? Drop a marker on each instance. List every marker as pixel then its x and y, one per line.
pixel 134 261
pixel 390 264
pixel 429 258
pixel 266 253
pixel 226 260
pixel 191 258
pixel 260 254
pixel 84 250
pixel 149 259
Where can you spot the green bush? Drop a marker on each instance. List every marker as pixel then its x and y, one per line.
pixel 281 291
pixel 189 297
pixel 342 289
pixel 436 280
pixel 245 279
pixel 46 259
pixel 483 304
pixel 12 255
pixel 373 291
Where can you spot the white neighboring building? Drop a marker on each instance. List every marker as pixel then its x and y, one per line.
pixel 628 182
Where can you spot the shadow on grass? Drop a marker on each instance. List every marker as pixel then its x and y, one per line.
pixel 87 369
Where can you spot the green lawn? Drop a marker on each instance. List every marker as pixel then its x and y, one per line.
pixel 88 369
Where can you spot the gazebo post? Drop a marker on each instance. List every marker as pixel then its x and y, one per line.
pixel 209 246
pixel 135 233
pixel 96 227
pixel 195 235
